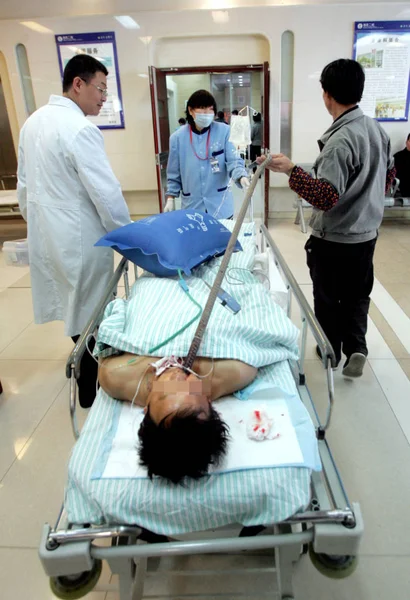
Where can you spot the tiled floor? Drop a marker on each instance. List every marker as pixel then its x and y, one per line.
pixel 370 438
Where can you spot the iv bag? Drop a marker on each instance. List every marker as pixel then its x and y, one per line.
pixel 240 131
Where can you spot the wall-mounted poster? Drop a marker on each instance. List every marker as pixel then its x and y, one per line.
pixel 383 50
pixel 102 47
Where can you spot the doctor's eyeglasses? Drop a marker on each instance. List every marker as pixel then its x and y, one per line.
pixel 104 92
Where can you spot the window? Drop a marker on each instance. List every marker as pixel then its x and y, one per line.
pixel 286 92
pixel 25 78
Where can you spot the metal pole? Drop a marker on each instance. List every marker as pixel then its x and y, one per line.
pixel 93 533
pixel 331 393
pixel 213 294
pixel 303 347
pixel 126 281
pixel 289 301
pixel 73 404
pixel 302 217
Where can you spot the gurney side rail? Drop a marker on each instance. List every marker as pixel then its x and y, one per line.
pixel 308 321
pixel 57 537
pixel 74 360
pixel 327 486
pixel 176 548
pixel 317 331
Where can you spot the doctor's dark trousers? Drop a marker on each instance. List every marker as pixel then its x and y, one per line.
pixel 342 276
pixel 88 376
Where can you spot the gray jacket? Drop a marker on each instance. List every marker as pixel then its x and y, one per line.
pixel 355 157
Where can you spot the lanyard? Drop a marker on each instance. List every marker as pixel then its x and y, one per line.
pixel 207 144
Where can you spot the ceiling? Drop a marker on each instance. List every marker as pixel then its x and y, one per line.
pixel 31 9
pixel 222 81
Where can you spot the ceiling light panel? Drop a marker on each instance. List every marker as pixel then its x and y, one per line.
pixel 127 22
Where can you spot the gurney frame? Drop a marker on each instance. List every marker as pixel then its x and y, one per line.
pixel 331 527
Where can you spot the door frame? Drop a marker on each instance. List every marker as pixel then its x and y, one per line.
pixel 266 135
pixel 261 68
pixel 161 154
pixel 224 69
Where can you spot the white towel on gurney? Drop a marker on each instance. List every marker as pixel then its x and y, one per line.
pixel 296 445
pixel 243 453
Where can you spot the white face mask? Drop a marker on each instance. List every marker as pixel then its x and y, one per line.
pixel 203 120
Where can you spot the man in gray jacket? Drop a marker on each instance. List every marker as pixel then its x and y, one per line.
pixel 346 187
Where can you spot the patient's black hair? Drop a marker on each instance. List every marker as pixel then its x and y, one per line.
pixel 185 445
pixel 200 99
pixel 343 79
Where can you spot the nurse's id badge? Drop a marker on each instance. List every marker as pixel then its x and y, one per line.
pixel 215 165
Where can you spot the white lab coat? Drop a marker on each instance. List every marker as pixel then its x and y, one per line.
pixel 70 198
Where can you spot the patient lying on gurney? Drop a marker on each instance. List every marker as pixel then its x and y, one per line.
pixel 181 434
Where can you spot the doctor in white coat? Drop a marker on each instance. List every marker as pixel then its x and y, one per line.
pixel 70 198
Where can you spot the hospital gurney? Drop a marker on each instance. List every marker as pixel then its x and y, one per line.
pixel 328 524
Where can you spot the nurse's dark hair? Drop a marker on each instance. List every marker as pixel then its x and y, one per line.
pixel 83 66
pixel 408 137
pixel 200 99
pixel 343 80
pixel 182 446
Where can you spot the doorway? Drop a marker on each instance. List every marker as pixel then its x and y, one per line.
pixel 8 159
pixel 233 87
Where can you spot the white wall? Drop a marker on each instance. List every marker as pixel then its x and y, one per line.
pixel 187 85
pixel 219 49
pixel 322 33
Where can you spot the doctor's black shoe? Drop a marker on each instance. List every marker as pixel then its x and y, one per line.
pixel 354 365
pixel 319 355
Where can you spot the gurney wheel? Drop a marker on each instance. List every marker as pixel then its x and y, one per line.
pixel 335 567
pixel 72 587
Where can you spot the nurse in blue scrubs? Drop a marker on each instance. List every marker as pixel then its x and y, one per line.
pixel 202 161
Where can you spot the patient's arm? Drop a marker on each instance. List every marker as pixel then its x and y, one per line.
pixel 228 375
pixel 119 376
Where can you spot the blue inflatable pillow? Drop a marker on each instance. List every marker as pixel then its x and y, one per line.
pixel 164 243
